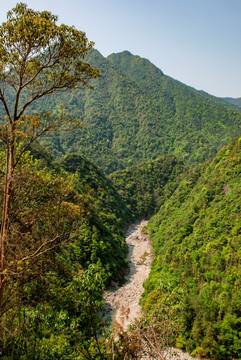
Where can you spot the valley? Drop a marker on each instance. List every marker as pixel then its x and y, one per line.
pixel 124 301
pixel 122 142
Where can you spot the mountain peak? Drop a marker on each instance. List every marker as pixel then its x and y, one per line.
pixel 122 53
pixel 133 65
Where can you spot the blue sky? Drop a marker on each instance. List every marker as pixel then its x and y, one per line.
pixel 197 42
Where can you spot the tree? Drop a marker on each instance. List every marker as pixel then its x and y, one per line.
pixel 37 58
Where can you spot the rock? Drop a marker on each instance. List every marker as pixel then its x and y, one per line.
pixel 124 301
pixel 128 295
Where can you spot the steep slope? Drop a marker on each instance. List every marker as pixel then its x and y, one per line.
pixel 136 113
pixel 236 102
pixel 118 119
pixel 193 120
pixel 144 187
pixel 101 238
pixel 91 179
pixel 66 243
pixel 196 239
pixel 159 86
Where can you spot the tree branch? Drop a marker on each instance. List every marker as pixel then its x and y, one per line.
pixel 38 252
pixel 29 143
pixel 5 105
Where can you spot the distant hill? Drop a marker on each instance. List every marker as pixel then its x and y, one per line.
pixel 136 113
pixel 219 101
pixel 236 102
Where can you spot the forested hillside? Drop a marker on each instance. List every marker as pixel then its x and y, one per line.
pixel 67 242
pixel 145 187
pixel 196 237
pixel 236 102
pixel 136 113
pixel 62 219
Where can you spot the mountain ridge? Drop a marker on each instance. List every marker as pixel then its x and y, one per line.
pixel 234 101
pixel 136 113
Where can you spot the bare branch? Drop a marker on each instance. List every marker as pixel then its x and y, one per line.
pixel 38 252
pixel 2 98
pixel 29 143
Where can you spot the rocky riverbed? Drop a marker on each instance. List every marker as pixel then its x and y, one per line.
pixel 123 302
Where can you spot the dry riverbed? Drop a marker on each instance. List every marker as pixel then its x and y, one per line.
pixel 123 301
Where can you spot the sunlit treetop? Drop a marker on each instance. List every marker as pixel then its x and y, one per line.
pixel 40 56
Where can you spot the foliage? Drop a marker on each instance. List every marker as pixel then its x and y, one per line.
pixel 144 187
pixel 40 56
pixel 196 239
pixel 236 102
pixel 107 216
pixel 51 304
pixel 149 336
pixel 64 223
pixel 135 113
pixel 37 58
pixel 103 191
pixel 63 325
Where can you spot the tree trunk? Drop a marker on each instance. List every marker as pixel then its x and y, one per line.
pixel 5 218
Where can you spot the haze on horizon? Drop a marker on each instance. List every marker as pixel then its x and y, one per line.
pixel 195 42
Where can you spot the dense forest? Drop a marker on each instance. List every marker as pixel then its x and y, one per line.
pixel 128 143
pixel 145 187
pixel 48 301
pixel 236 102
pixel 196 238
pixel 141 114
pixel 136 113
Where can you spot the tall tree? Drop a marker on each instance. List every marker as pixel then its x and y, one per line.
pixel 37 58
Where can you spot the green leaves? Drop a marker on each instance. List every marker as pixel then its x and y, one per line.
pixel 40 57
pixel 144 187
pixel 196 238
pixel 135 114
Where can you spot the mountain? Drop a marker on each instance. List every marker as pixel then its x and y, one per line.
pixel 158 85
pixel 236 102
pixel 136 113
pixel 189 106
pixel 196 237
